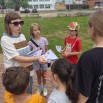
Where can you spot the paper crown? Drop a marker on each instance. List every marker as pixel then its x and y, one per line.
pixel 74 26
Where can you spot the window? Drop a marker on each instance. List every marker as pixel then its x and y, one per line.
pixel 41 0
pixel 47 6
pixel 35 0
pixel 41 6
pixel 35 6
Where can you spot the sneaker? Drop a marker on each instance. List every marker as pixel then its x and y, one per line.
pixel 38 91
pixel 45 91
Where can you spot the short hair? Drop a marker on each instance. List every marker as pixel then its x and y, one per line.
pixel 96 21
pixel 32 26
pixel 16 79
pixel 7 20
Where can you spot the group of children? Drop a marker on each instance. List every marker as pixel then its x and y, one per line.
pixel 17 80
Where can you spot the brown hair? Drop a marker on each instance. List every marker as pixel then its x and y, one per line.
pixel 31 28
pixel 96 21
pixel 16 79
pixel 7 20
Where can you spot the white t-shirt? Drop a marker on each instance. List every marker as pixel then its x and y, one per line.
pixel 9 50
pixel 58 97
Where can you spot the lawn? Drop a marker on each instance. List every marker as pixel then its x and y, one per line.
pixel 55 30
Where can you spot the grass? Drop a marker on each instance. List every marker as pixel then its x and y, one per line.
pixel 55 30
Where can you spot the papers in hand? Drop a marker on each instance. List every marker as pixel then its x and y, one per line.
pixel 34 53
pixel 50 56
pixel 58 48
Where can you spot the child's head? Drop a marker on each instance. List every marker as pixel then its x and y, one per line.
pixel 35 29
pixel 10 19
pixel 73 28
pixel 64 70
pixel 16 80
pixel 95 24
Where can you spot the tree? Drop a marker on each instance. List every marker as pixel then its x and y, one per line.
pixel 2 3
pixel 16 4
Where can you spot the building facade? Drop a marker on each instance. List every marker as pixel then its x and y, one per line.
pixel 42 5
pixel 94 3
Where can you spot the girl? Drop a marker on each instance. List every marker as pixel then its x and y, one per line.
pixel 36 43
pixel 62 76
pixel 16 81
pixel 73 44
pixel 89 72
pixel 14 44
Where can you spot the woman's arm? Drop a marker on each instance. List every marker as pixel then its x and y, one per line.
pixel 23 59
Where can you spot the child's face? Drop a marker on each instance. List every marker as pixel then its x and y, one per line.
pixel 36 31
pixel 72 32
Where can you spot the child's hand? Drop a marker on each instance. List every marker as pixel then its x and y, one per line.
pixel 48 76
pixel 65 54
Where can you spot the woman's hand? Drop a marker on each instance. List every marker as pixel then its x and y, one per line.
pixel 42 59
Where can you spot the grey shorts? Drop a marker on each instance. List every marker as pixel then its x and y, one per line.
pixel 38 66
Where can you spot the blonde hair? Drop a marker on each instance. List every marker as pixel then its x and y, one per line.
pixel 96 21
pixel 32 27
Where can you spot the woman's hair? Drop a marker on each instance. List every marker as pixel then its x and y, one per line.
pixel 7 20
pixel 16 79
pixel 64 70
pixel 32 27
pixel 96 21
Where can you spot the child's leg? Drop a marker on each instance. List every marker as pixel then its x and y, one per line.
pixel 44 69
pixel 29 90
pixel 43 78
pixel 39 76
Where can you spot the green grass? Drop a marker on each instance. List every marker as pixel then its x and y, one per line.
pixel 55 30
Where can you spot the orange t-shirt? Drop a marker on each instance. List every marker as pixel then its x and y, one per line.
pixel 36 98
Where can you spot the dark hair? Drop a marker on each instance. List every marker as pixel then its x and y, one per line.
pixel 16 79
pixel 63 68
pixel 7 20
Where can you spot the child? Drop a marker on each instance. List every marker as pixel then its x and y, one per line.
pixel 16 81
pixel 89 72
pixel 36 43
pixel 14 44
pixel 73 44
pixel 62 75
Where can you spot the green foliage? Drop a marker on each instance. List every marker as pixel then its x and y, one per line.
pixel 16 4
pixel 55 30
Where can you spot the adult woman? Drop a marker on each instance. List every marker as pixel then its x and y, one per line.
pixel 13 42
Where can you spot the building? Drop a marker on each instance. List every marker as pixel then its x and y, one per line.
pixel 42 5
pixel 95 3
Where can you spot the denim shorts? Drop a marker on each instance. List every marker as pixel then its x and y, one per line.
pixel 38 66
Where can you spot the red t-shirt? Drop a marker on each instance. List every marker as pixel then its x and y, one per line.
pixel 75 46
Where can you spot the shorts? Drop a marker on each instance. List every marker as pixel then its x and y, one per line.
pixel 38 66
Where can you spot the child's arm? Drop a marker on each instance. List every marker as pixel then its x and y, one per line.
pixel 81 98
pixel 66 54
pixel 46 47
pixel 48 76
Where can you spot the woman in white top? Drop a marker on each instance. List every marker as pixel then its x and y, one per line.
pixel 14 44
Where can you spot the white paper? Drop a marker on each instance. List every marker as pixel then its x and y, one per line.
pixel 58 48
pixel 50 55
